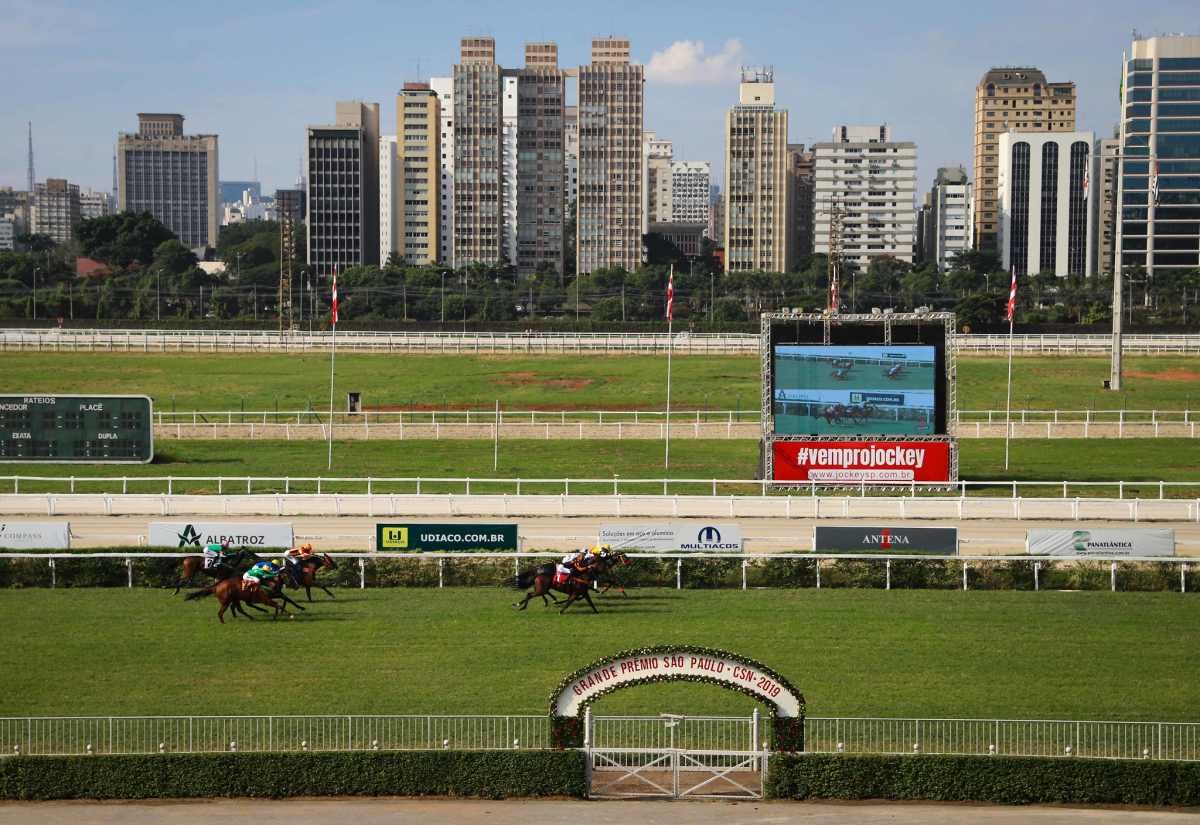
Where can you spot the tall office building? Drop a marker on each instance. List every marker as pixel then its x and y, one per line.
pixel 1044 220
pixel 94 204
pixel 540 167
pixel 172 176
pixel 1159 188
pixel 444 88
pixel 947 230
pixel 391 184
pixel 875 180
pixel 508 110
pixel 1011 98
pixel 571 153
pixel 657 154
pixel 609 206
pixel 56 209
pixel 690 191
pixel 757 220
pixel 802 166
pixel 1102 197
pixel 478 154
pixel 343 189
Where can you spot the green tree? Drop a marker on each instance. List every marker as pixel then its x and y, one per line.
pixel 122 239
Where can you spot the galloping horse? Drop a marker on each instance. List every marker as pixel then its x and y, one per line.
pixel 833 414
pixel 541 579
pixel 230 566
pixel 232 592
pixel 307 576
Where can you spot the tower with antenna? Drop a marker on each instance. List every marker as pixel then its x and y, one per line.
pixel 29 176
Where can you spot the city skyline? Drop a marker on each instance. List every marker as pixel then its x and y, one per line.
pixel 97 70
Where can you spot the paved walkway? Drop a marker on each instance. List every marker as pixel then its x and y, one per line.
pixel 562 812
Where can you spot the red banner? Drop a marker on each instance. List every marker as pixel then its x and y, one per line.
pixel 874 462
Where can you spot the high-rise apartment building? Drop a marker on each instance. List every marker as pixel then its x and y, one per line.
pixel 56 209
pixel 690 191
pixel 656 176
pixel 947 223
pixel 508 108
pixel 1102 197
pixel 8 233
pixel 172 176
pixel 1011 98
pixel 391 183
pixel 94 204
pixel 478 154
pixel 444 88
pixel 15 205
pixel 540 167
pixel 417 201
pixel 874 178
pixel 571 153
pixel 1159 187
pixel 343 189
pixel 802 166
pixel 609 206
pixel 1044 220
pixel 757 218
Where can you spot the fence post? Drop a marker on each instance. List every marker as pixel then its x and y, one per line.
pixel 441 569
pixel 587 728
pixel 745 564
pixel 362 574
pixel 1182 577
pixel 964 575
pixel 1113 576
pixel 888 585
pixel 678 573
pixel 129 570
pixel 1037 568
pixel 818 561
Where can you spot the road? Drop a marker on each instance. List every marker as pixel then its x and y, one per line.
pixel 564 812
pixel 766 535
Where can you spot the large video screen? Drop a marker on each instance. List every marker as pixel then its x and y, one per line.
pixel 855 390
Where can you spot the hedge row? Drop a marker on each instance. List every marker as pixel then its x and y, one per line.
pixel 1002 779
pixel 414 571
pixel 486 774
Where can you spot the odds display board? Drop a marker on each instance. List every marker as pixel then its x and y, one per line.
pixel 86 429
pixel 858 399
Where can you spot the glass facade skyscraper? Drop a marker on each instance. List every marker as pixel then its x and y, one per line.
pixel 1159 195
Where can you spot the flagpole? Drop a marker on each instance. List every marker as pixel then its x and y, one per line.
pixel 1012 311
pixel 670 348
pixel 332 359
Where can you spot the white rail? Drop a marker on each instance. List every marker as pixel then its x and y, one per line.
pixel 174 340
pixel 25 736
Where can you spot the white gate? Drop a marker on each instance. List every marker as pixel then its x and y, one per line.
pixel 674 756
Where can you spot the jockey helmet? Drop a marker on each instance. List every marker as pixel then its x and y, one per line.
pixel 306 548
pixel 277 562
pixel 595 551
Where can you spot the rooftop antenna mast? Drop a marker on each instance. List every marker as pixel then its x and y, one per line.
pixel 29 175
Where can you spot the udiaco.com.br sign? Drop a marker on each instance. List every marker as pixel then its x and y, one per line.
pixel 442 538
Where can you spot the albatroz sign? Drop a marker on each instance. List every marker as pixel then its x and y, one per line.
pixel 678 664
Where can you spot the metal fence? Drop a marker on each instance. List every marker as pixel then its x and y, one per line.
pixel 54 735
pixel 175 340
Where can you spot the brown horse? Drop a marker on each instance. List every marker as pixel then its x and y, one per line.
pixel 232 592
pixel 578 585
pixel 303 573
pixel 229 566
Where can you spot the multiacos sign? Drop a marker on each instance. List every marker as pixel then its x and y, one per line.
pixel 670 538
pixel 899 541
pixel 35 535
pixel 1121 542
pixel 678 663
pixel 188 535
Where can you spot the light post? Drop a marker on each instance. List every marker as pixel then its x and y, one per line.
pixel 157 295
pixel 443 297
pixel 36 270
pixel 464 280
pixel 238 255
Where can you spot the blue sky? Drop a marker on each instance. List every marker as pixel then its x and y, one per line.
pixel 257 73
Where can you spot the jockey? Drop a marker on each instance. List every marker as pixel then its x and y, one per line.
pixel 293 558
pixel 570 563
pixel 262 573
pixel 216 554
pixel 895 371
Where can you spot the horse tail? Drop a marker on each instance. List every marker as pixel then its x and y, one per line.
pixel 524 579
pixel 200 594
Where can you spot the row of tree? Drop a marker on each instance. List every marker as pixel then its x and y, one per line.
pixel 150 276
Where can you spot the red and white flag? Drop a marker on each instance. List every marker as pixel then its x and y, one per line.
pixel 1086 183
pixel 671 295
pixel 1012 297
pixel 1154 184
pixel 333 305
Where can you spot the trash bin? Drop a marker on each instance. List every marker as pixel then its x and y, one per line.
pixel 354 402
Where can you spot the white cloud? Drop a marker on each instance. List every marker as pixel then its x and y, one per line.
pixel 684 63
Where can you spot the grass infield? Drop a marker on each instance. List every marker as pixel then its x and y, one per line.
pixel 1134 460
pixel 1085 655
pixel 293 381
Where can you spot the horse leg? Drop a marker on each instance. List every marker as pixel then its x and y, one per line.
pixel 327 592
pixel 570 600
pixel 588 597
pixel 288 600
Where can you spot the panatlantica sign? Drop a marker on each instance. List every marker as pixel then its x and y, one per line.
pixel 35 535
pixel 699 537
pixel 900 541
pixel 1122 541
pixel 191 535
pixel 442 538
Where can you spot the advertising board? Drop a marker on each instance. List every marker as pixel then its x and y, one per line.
pixel 1123 541
pixel 674 538
pixel 862 461
pixel 35 535
pixel 190 535
pixel 444 538
pixel 902 541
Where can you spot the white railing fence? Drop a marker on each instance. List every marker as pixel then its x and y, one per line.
pixel 59 735
pixel 176 340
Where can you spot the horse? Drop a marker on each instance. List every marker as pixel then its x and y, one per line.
pixel 607 562
pixel 833 414
pixel 232 592
pixel 228 567
pixel 307 577
pixel 541 579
